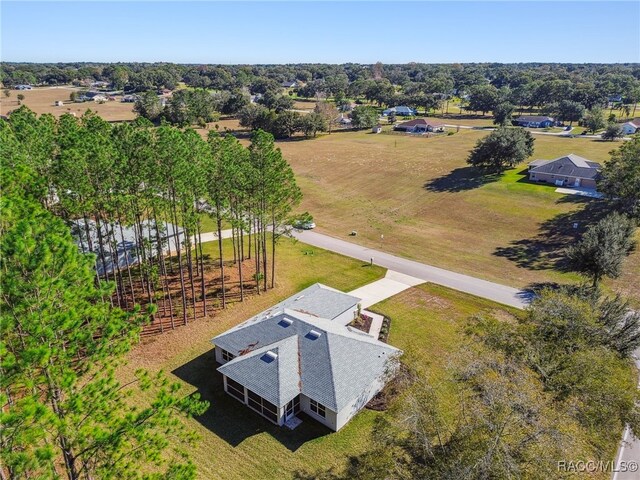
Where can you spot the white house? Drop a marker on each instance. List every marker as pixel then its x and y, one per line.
pixel 631 127
pixel 300 356
pixel 401 111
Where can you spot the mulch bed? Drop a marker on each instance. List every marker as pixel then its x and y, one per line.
pixel 363 323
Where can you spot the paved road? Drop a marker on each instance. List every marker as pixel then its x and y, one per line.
pixel 464 283
pixel 564 133
pixel 629 450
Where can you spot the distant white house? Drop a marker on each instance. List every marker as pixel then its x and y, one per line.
pixel 125 252
pixel 291 84
pixel 24 87
pixel 301 356
pixel 401 111
pixel 631 127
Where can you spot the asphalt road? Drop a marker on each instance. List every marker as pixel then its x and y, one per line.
pixel 464 283
pixel 627 464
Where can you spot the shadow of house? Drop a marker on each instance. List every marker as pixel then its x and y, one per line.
pixel 547 249
pixel 460 179
pixel 231 420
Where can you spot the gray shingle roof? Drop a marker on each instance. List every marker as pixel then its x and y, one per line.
pixel 533 118
pixel 569 165
pixel 274 379
pixel 336 364
pixel 318 300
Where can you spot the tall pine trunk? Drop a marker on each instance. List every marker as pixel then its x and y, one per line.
pixel 179 250
pixel 219 224
pixel 202 283
pixel 273 251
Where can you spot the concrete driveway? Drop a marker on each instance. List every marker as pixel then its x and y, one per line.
pixel 392 284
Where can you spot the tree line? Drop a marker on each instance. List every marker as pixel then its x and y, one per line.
pixel 562 89
pixel 102 179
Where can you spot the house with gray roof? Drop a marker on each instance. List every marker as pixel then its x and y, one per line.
pixel 566 171
pixel 534 121
pixel 301 356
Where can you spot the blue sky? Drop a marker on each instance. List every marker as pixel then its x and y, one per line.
pixel 326 32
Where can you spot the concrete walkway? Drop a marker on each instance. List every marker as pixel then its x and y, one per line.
pixel 581 191
pixel 427 273
pixel 376 323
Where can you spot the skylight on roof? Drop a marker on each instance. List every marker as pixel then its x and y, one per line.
pixel 313 335
pixel 285 322
pixel 269 357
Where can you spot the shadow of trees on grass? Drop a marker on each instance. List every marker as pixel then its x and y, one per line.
pixel 231 420
pixel 460 179
pixel 547 249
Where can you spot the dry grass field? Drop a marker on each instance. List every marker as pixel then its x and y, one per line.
pixel 419 193
pixel 42 100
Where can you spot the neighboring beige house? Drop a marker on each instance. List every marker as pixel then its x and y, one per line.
pixel 631 127
pixel 567 171
pixel 300 356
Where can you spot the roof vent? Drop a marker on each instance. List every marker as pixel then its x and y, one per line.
pixel 285 322
pixel 269 357
pixel 313 335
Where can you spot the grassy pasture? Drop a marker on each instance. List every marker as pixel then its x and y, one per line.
pixel 430 206
pixel 41 100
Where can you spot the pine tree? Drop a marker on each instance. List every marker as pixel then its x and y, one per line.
pixel 64 408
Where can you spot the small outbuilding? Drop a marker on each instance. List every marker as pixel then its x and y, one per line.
pixel 377 129
pixel 59 103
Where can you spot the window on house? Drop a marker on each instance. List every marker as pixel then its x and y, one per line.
pixel 235 389
pixel 227 356
pixel 317 408
pixel 262 406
